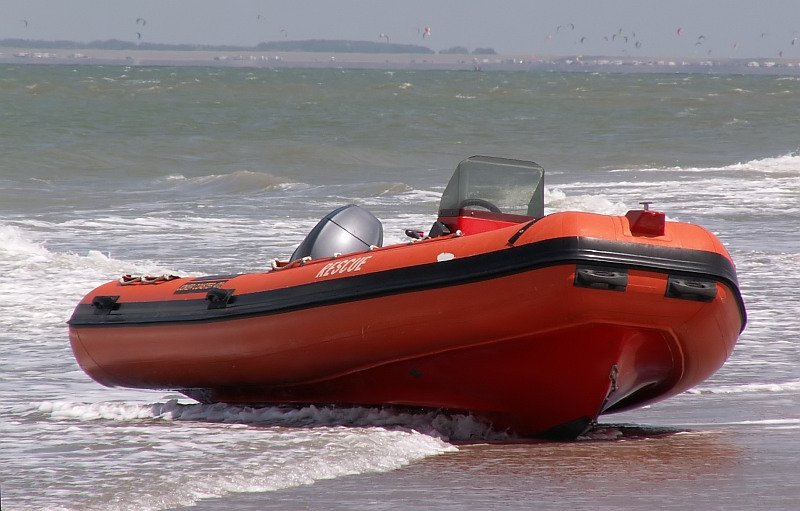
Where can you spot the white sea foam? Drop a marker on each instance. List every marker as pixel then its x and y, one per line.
pixel 786 163
pixel 748 388
pixel 757 188
pixel 255 450
pixel 404 195
pixel 556 199
pixel 448 427
pixel 242 181
pixel 789 162
pixel 21 251
pixel 14 245
pixel 51 282
pixel 788 422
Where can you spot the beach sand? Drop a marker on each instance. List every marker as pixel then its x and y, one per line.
pixel 709 470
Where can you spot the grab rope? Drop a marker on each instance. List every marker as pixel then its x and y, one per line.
pixel 277 264
pixel 127 280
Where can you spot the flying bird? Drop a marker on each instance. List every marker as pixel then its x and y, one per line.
pixel 142 21
pixel 138 35
pixel 426 32
pixel 384 36
pixel 26 23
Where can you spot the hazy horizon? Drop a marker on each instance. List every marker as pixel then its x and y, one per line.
pixel 713 28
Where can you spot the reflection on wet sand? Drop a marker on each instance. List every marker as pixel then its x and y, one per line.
pixel 614 467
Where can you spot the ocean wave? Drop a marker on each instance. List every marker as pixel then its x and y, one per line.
pixel 446 427
pixel 20 249
pixel 749 388
pixel 240 181
pixel 52 282
pixel 785 163
pixel 377 189
pixel 774 424
pixel 213 452
pixel 760 188
pixel 556 199
pixel 455 428
pixel 419 200
pixel 15 244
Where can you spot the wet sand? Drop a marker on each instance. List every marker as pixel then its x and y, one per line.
pixel 724 469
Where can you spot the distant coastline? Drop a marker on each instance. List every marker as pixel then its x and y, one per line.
pixel 367 55
pixel 308 45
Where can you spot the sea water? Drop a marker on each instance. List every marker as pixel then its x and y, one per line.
pixel 194 171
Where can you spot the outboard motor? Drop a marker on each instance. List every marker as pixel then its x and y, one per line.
pixel 342 231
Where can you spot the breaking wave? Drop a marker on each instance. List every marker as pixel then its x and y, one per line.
pixel 754 388
pixel 447 427
pixel 241 181
pixel 255 450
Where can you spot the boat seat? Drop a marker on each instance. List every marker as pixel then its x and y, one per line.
pixel 345 230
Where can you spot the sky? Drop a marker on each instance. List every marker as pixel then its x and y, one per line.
pixel 633 28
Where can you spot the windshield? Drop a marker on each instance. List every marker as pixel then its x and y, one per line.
pixel 500 185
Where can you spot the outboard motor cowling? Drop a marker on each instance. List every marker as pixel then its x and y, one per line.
pixel 342 231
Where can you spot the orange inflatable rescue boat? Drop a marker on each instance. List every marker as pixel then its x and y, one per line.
pixel 537 323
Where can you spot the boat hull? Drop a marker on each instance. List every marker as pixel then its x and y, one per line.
pixel 520 341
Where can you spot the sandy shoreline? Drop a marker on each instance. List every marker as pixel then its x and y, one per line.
pixel 724 469
pixel 395 61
